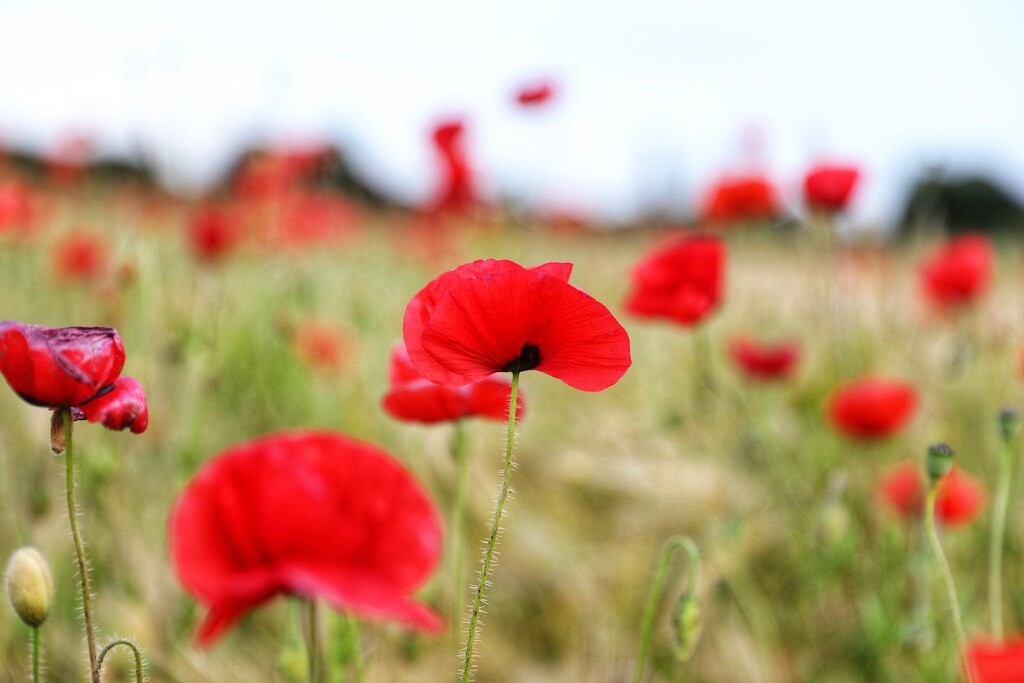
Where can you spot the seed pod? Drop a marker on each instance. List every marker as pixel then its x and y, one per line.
pixel 938 462
pixel 1009 423
pixel 29 586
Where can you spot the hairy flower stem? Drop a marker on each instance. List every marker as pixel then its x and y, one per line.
pixel 995 555
pixel 458 512
pixel 83 566
pixel 651 607
pixel 35 655
pixel 492 539
pixel 135 653
pixel 947 577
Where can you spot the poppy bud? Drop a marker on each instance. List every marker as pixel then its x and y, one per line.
pixel 58 436
pixel 938 462
pixel 29 586
pixel 687 621
pixel 1009 423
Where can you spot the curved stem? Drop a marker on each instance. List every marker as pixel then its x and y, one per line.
pixel 651 607
pixel 458 512
pixel 131 646
pixel 995 555
pixel 35 655
pixel 947 577
pixel 83 566
pixel 353 642
pixel 492 539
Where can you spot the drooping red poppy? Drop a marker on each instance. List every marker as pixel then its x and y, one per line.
pixel 872 407
pixel 829 187
pixel 81 257
pixel 959 272
pixel 764 361
pixel 213 233
pixel 995 662
pixel 958 501
pixel 73 367
pixel 535 94
pixel 455 189
pixel 682 281
pixel 415 399
pixel 314 514
pixel 497 316
pixel 741 199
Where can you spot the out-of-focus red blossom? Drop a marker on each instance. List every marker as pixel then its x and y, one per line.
pixel 310 217
pixel 872 407
pixel 213 233
pixel 313 514
pixel 958 501
pixel 497 316
pixel 682 281
pixel 68 161
pixel 829 187
pixel 415 399
pixel 73 367
pixel 274 173
pixel 81 257
pixel 741 199
pixel 455 193
pixel 995 662
pixel 535 94
pixel 16 207
pixel 321 346
pixel 764 361
pixel 959 272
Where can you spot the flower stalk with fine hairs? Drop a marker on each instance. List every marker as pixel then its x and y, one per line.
pixel 136 654
pixel 686 616
pixel 1009 425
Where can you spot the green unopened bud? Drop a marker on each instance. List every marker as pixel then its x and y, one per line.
pixel 1009 423
pixel 938 462
pixel 687 620
pixel 29 586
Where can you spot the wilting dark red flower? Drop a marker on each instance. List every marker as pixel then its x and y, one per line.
pixel 829 188
pixel 496 316
pixel 415 399
pixel 455 192
pixel 872 407
pixel 959 272
pixel 73 367
pixel 314 514
pixel 16 210
pixel 958 501
pixel 535 94
pixel 759 360
pixel 682 282
pixel 995 662
pixel 741 199
pixel 80 257
pixel 213 233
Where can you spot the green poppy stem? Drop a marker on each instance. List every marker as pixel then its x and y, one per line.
pixel 458 447
pixel 995 555
pixel 35 655
pixel 947 577
pixel 353 640
pixel 313 648
pixel 135 653
pixel 492 539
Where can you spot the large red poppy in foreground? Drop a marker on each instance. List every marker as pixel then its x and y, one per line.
pixel 682 282
pixel 959 272
pixel 872 407
pixel 994 662
pixel 958 500
pixel 313 514
pixel 73 367
pixel 497 316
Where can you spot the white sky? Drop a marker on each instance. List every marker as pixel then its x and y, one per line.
pixel 655 95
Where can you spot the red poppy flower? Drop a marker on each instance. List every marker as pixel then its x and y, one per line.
pixel 994 662
pixel 496 316
pixel 213 233
pixel 415 399
pixel 763 361
pixel 309 217
pixel 314 514
pixel 959 272
pixel 872 407
pixel 958 501
pixel 320 345
pixel 741 199
pixel 829 188
pixel 16 210
pixel 63 367
pixel 535 94
pixel 681 282
pixel 82 257
pixel 455 193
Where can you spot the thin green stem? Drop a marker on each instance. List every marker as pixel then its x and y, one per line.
pixel 947 577
pixel 131 646
pixel 995 555
pixel 492 538
pixel 458 513
pixel 353 642
pixel 35 655
pixel 651 607
pixel 312 641
pixel 83 566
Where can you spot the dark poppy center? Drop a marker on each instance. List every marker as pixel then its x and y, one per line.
pixel 528 359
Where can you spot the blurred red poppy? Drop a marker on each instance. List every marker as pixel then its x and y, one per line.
pixel 63 367
pixel 762 361
pixel 455 192
pixel 829 188
pixel 741 199
pixel 872 407
pixel 16 209
pixel 682 281
pixel 69 159
pixel 311 217
pixel 321 345
pixel 535 94
pixel 959 272
pixel 958 501
pixel 995 662
pixel 213 233
pixel 415 399
pixel 496 316
pixel 81 257
pixel 313 514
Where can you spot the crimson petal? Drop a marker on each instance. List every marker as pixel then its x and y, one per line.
pixel 121 405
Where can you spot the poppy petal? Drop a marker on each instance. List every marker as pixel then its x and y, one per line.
pixel 121 405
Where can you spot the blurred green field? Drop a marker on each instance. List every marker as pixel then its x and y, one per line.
pixel 804 575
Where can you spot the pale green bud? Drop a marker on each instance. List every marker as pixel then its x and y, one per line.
pixel 29 586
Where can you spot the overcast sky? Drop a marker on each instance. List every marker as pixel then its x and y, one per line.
pixel 656 97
